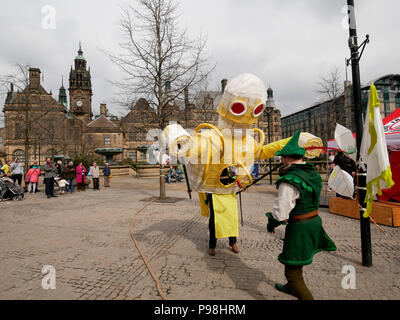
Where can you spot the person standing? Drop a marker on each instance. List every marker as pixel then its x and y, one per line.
pixel 59 168
pixel 17 171
pixel 7 168
pixel 95 173
pixel 297 206
pixel 69 175
pixel 50 172
pixel 107 174
pixel 346 164
pixel 227 201
pixel 32 177
pixel 81 176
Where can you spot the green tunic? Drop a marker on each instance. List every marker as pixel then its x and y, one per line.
pixel 305 238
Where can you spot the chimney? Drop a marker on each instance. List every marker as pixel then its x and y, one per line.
pixel 103 109
pixel 223 84
pixel 186 93
pixel 34 78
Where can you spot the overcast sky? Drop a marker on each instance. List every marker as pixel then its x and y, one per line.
pixel 289 44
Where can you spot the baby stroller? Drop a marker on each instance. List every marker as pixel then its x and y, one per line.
pixel 9 190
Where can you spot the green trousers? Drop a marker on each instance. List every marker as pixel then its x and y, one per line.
pixel 294 276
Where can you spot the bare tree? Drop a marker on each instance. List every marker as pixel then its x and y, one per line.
pixel 159 60
pixel 331 87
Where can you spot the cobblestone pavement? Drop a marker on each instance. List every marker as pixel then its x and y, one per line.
pixel 85 236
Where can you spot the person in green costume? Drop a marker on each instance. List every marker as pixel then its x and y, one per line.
pixel 296 206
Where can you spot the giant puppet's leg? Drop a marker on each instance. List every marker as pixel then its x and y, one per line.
pixel 226 215
pixel 212 244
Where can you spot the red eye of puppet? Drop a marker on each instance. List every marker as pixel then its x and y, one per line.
pixel 258 110
pixel 238 108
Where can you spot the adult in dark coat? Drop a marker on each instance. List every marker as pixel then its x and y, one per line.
pixel 69 175
pixel 50 171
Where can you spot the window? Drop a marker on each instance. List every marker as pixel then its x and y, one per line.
pixel 132 135
pixel 107 139
pixel 18 131
pixel 90 140
pixel 133 156
pixel 20 155
pixel 142 136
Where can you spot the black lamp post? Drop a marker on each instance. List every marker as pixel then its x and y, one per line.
pixel 269 141
pixel 361 175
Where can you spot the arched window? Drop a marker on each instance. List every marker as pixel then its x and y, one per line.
pixel 20 154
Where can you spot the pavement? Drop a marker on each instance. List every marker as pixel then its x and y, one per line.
pixel 85 236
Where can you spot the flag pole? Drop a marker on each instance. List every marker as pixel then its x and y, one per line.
pixel 361 174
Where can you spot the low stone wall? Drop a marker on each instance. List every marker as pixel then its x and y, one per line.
pixel 148 171
pixel 117 170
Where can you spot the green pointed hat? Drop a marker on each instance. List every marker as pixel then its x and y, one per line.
pixel 292 148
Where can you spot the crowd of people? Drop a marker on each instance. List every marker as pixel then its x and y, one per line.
pixel 65 176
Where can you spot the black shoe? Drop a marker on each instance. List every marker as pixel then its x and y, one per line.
pixel 54 196
pixel 284 288
pixel 48 197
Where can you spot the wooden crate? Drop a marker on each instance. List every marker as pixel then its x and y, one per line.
pixel 386 213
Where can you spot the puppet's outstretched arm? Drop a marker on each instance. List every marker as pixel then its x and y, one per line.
pixel 306 140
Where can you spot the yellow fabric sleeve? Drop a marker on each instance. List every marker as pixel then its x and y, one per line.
pixel 268 151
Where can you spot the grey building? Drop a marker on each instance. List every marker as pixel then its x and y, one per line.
pixel 320 118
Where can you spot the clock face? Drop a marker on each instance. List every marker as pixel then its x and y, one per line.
pixel 79 103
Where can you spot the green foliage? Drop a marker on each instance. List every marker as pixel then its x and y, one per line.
pixel 133 164
pixel 87 159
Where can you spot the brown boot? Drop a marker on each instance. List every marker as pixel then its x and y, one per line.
pixel 235 248
pixel 211 252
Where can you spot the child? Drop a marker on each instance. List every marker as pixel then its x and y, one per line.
pixel 32 177
pixel 62 184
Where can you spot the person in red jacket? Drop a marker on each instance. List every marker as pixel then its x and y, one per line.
pixel 32 177
pixel 80 176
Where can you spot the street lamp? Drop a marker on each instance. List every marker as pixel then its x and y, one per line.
pixel 361 174
pixel 269 111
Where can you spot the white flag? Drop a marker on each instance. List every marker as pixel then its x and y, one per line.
pixel 346 142
pixel 374 152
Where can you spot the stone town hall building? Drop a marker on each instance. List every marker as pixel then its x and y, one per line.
pixel 55 130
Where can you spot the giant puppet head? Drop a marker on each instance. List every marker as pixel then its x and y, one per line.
pixel 243 100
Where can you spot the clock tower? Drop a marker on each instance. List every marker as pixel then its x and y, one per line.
pixel 80 89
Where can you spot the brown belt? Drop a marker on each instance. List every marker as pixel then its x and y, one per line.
pixel 302 217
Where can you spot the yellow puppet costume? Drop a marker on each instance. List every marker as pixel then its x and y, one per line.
pixel 232 146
